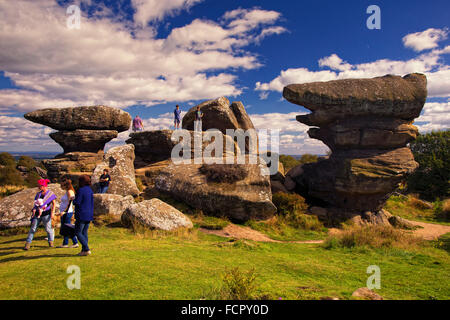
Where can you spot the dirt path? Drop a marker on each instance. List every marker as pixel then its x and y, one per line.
pixel 428 231
pixel 238 232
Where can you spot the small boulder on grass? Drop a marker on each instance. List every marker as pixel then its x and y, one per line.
pixel 156 214
pixel 366 294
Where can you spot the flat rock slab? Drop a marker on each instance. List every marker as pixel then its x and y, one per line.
pixel 249 198
pixel 15 210
pixel 88 118
pixel 156 214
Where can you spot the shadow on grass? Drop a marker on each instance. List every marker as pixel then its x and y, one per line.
pixel 23 240
pixel 22 258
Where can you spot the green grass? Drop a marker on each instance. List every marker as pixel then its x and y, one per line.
pixel 405 207
pixel 192 265
pixel 278 229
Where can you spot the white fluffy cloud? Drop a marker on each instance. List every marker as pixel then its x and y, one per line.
pixel 436 116
pixel 424 40
pixel 151 10
pixel 430 64
pixel 110 62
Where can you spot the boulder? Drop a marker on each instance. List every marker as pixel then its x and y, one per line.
pixel 219 114
pixel 277 186
pixel 88 118
pixel 72 165
pixel 247 198
pixel 155 146
pixel 156 214
pixel 367 123
pixel 41 172
pixel 366 294
pixel 15 210
pixel 112 204
pixel 83 140
pixel 399 222
pixel 120 163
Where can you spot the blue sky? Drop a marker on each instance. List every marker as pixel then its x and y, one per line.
pixel 145 56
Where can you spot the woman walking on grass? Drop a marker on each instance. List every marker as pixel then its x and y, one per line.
pixel 84 212
pixel 43 210
pixel 66 210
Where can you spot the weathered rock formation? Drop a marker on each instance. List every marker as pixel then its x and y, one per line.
pixel 220 114
pixel 120 163
pixel 156 214
pixel 248 198
pixel 72 165
pixel 155 146
pixel 87 118
pixel 367 124
pixel 15 210
pixel 84 131
pixel 111 204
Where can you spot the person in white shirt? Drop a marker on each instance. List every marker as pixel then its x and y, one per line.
pixel 66 210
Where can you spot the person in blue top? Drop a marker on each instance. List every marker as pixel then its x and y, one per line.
pixel 84 212
pixel 177 117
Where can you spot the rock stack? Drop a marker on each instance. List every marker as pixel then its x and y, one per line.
pixel 367 123
pixel 221 115
pixel 84 131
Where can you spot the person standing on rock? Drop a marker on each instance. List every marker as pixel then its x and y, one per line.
pixel 177 117
pixel 48 208
pixel 66 212
pixel 138 124
pixel 198 120
pixel 84 212
pixel 105 179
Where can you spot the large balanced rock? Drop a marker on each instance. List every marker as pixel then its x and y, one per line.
pixel 83 140
pixel 155 146
pixel 247 197
pixel 156 214
pixel 111 204
pixel 83 129
pixel 15 210
pixel 367 124
pixel 87 118
pixel 120 163
pixel 219 114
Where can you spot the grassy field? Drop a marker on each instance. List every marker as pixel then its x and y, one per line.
pixel 191 265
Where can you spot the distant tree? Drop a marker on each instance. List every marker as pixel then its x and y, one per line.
pixel 9 175
pixel 308 158
pixel 27 162
pixel 288 162
pixel 7 159
pixel 432 152
pixel 31 179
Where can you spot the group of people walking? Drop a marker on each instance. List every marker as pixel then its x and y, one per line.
pixel 79 203
pixel 139 126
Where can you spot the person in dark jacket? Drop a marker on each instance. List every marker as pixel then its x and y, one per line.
pixel 84 212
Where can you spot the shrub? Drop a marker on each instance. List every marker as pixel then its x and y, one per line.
pixel 238 285
pixel 308 158
pixel 31 179
pixel 27 162
pixel 415 202
pixel 7 160
pixel 289 202
pixel 288 162
pixel 10 176
pixel 8 190
pixel 228 173
pixel 371 236
pixel 139 184
pixel 432 178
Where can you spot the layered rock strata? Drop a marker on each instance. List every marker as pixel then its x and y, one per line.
pixel 367 123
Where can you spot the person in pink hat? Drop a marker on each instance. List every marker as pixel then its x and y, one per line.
pixel 43 211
